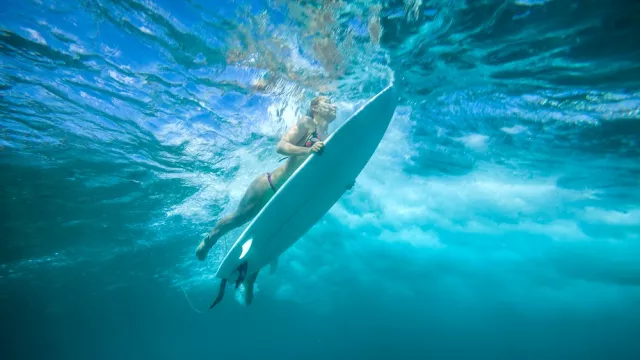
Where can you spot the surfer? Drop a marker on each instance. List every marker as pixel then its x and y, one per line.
pixel 300 141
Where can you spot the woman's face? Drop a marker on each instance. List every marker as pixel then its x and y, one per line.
pixel 326 109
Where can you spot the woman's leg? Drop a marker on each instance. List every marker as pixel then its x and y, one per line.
pixel 251 203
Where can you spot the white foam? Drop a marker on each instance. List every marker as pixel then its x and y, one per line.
pixel 413 235
pixel 477 142
pixel 78 49
pixel 112 52
pixel 490 200
pixel 35 36
pixel 127 80
pixel 514 130
pixel 612 217
pixel 145 30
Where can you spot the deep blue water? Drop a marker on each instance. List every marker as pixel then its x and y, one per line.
pixel 499 218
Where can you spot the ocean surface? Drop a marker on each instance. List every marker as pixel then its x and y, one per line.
pixel 498 219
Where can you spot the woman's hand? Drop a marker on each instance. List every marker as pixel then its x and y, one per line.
pixel 318 147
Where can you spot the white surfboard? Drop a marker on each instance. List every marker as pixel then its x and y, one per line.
pixel 312 189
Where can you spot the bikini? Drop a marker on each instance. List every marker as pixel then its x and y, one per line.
pixel 311 139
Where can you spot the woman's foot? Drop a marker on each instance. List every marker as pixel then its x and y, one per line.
pixel 203 250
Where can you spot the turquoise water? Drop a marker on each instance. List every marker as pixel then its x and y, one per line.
pixel 499 218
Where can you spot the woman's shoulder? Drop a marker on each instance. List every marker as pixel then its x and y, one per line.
pixel 305 120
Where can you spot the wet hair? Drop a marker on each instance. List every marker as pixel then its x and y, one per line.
pixel 313 104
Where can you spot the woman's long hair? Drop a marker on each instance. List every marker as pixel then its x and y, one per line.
pixel 313 104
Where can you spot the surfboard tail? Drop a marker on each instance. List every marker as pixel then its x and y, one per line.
pixel 242 273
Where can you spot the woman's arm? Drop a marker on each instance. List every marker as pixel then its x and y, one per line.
pixel 293 135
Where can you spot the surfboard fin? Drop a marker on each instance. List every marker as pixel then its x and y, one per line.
pixel 223 284
pixel 242 273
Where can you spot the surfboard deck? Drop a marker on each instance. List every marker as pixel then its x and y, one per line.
pixel 311 190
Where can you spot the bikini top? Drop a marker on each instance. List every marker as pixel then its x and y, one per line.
pixel 311 139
